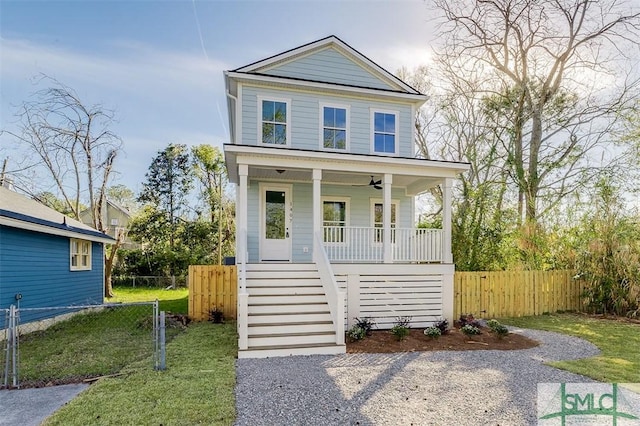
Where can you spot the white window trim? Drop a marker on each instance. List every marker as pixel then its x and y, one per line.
pixel 347 213
pixel 347 109
pixel 78 266
pixel 372 210
pixel 372 129
pixel 288 122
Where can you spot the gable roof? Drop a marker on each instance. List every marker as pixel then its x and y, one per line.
pixel 391 82
pixel 18 211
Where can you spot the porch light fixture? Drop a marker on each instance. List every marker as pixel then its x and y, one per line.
pixel 280 171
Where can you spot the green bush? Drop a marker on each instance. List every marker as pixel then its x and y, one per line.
pixel 470 330
pixel 433 332
pixel 356 333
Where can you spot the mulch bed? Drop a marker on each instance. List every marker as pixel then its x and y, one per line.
pixel 382 341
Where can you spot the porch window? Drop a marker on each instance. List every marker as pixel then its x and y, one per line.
pixel 385 131
pixel 334 127
pixel 274 128
pixel 335 214
pixel 377 215
pixel 80 255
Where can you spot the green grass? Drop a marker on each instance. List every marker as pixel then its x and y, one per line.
pixel 619 342
pixel 196 388
pixel 97 343
pixel 175 301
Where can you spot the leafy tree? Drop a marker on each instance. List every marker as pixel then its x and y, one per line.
pixel 209 167
pixel 124 196
pixel 169 181
pixel 545 61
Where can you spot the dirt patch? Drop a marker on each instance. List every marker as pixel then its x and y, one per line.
pixel 382 341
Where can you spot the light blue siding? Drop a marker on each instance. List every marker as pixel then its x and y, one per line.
pixel 36 265
pixel 305 119
pixel 360 199
pixel 329 66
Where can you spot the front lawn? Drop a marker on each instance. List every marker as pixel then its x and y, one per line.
pixel 619 342
pixel 196 388
pixel 175 301
pixel 96 343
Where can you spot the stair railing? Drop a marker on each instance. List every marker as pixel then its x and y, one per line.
pixel 243 295
pixel 335 297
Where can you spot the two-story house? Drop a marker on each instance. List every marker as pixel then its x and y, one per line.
pixel 322 154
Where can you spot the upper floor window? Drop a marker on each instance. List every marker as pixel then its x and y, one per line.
pixel 80 255
pixel 334 127
pixel 274 126
pixel 385 131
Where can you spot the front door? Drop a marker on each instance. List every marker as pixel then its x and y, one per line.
pixel 275 232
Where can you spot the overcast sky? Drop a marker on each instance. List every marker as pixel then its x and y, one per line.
pixel 159 64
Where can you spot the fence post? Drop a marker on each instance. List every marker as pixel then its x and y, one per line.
pixel 156 339
pixel 163 346
pixel 12 350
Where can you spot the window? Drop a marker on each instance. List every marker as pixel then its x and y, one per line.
pixel 335 214
pixel 334 127
pixel 385 130
pixel 114 222
pixel 80 255
pixel 274 125
pixel 377 216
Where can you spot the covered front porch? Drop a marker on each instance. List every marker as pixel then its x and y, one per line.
pixel 311 226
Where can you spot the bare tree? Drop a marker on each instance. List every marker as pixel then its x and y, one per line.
pixel 72 143
pixel 557 79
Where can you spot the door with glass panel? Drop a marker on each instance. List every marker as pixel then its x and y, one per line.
pixel 276 215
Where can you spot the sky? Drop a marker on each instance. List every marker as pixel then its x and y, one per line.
pixel 159 64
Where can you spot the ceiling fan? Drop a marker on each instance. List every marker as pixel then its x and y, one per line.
pixel 375 183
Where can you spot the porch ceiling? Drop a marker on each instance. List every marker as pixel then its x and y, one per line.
pixel 294 165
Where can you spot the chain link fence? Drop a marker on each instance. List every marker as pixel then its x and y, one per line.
pixel 149 281
pixel 71 344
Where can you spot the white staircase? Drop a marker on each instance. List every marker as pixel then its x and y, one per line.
pixel 288 312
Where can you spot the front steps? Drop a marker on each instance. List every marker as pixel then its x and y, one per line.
pixel 288 312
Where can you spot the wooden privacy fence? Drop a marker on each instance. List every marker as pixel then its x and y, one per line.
pixel 212 286
pixel 515 293
pixel 483 294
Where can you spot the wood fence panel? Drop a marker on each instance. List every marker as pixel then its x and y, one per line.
pixel 212 286
pixel 498 294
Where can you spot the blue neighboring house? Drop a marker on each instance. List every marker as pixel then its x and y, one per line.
pixel 46 258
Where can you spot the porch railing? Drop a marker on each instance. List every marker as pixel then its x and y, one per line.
pixel 243 295
pixel 365 244
pixel 335 297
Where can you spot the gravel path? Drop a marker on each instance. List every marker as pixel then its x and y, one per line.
pixel 419 388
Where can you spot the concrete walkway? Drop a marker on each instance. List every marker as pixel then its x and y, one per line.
pixel 30 407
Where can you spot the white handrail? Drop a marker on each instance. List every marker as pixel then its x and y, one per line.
pixel 364 244
pixel 335 297
pixel 243 295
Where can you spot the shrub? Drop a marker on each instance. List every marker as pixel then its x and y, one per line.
pixel 366 323
pixel 442 325
pixel 470 330
pixel 356 333
pixel 468 319
pixel 401 327
pixel 493 323
pixel 433 332
pixel 500 331
pixel 216 315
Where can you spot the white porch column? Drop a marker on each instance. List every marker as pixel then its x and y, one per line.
pixel 447 257
pixel 317 206
pixel 386 218
pixel 241 213
pixel 241 253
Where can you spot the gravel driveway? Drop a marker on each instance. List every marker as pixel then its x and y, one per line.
pixel 419 388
